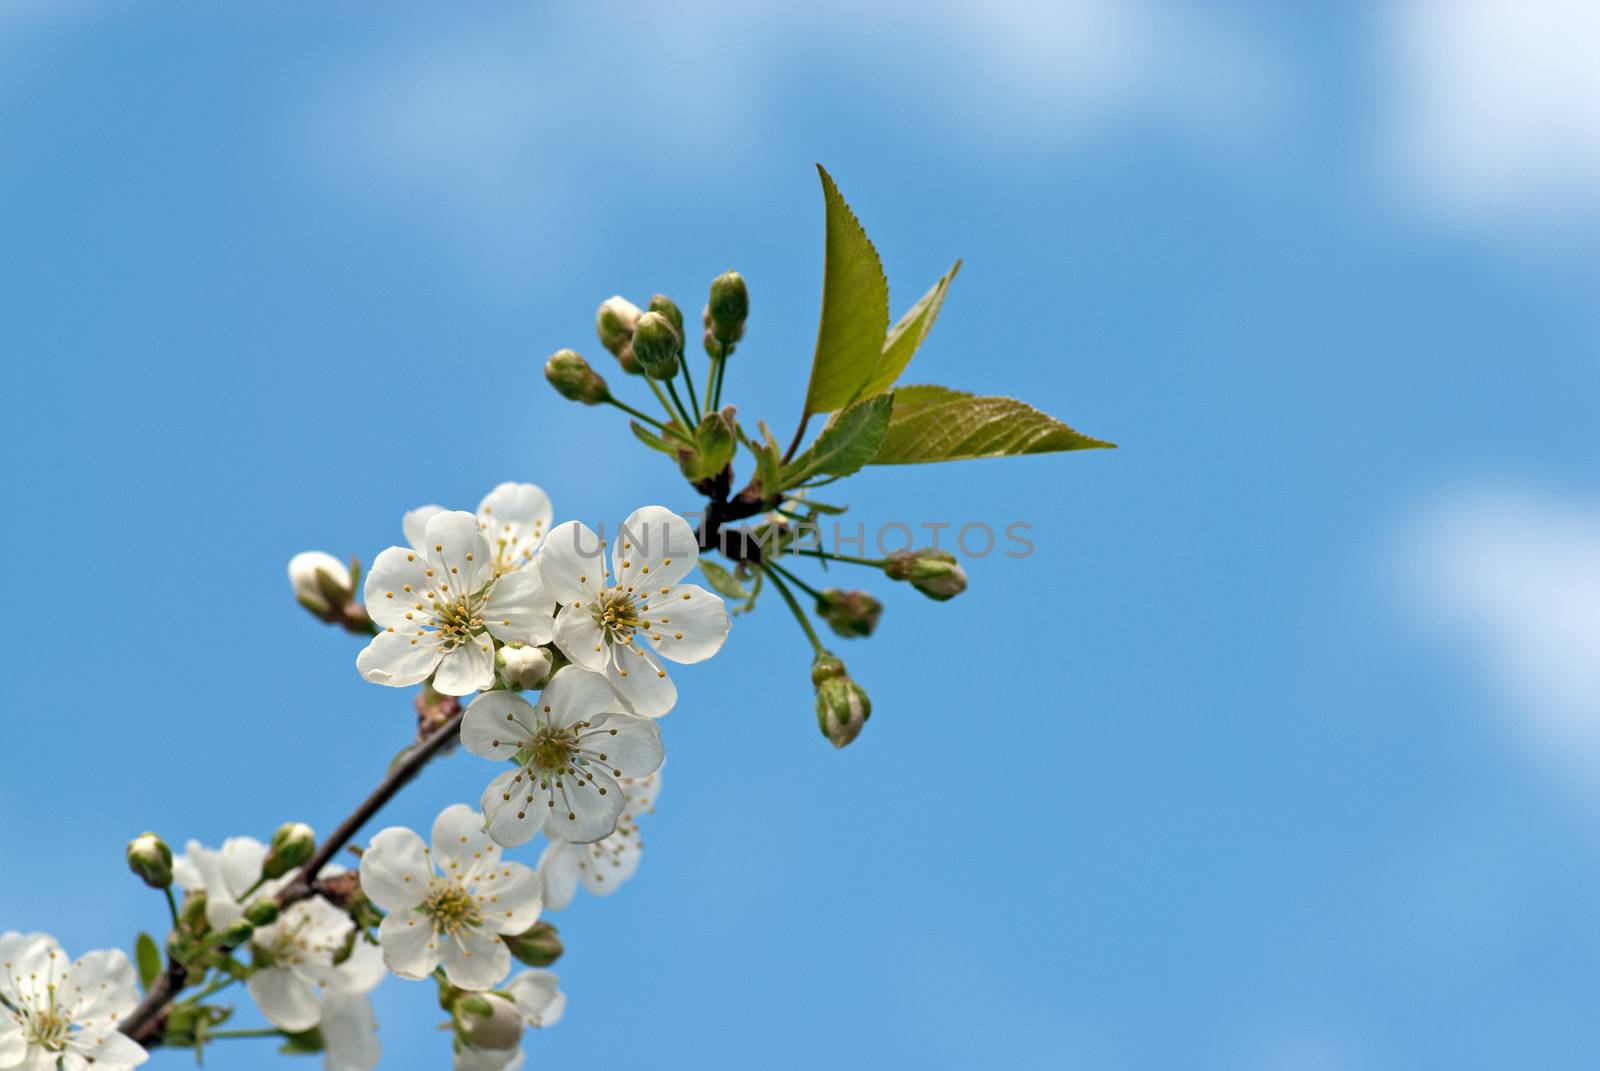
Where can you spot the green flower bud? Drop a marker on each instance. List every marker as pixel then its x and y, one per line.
pixel 523 667
pixel 151 859
pixel 849 613
pixel 667 307
pixel 574 380
pixel 716 441
pixel 614 323
pixel 656 345
pixel 487 1021
pixel 238 933
pixel 322 583
pixel 842 705
pixel 292 845
pixel 538 947
pixel 262 912
pixel 932 572
pixel 729 307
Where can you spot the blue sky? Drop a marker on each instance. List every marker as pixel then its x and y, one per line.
pixel 1279 753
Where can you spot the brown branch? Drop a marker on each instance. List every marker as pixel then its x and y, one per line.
pixel 143 1023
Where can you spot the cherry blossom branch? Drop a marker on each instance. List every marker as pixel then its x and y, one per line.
pixel 142 1023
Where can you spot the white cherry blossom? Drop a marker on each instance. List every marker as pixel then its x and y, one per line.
pixel 294 963
pixel 455 917
pixel 604 865
pixel 55 1011
pixel 514 518
pixel 230 877
pixel 442 607
pixel 536 1000
pixel 570 746
pixel 349 1029
pixel 606 613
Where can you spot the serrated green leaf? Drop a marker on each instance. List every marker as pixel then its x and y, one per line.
pixel 855 308
pixel 147 954
pixel 939 424
pixel 849 441
pixel 907 334
pixel 722 582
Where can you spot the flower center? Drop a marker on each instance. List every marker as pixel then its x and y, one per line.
pixel 46 1027
pixel 451 907
pixel 617 614
pixel 551 750
pixel 458 620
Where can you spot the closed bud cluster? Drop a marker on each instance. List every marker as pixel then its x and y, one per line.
pixel 667 307
pixel 935 573
pixel 849 613
pixel 656 346
pixel 728 308
pixel 326 587
pixel 842 705
pixel 487 1021
pixel 151 859
pixel 614 323
pixel 523 667
pixel 574 380
pixel 538 947
pixel 292 845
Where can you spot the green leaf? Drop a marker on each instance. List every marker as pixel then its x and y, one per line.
pixel 855 309
pixel 906 335
pixel 940 424
pixel 769 458
pixel 147 954
pixel 848 442
pixel 650 438
pixel 722 582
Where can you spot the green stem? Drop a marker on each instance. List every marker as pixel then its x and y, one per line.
pixel 794 607
pixel 215 987
pixel 799 433
pixel 688 425
pixel 662 398
pixel 262 880
pixel 796 581
pixel 172 906
pixel 259 1032
pixel 688 379
pixel 876 564
pixel 631 411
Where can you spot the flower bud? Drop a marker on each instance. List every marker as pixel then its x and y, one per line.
pixel 292 845
pixel 238 933
pixel 842 705
pixel 523 667
pixel 322 583
pixel 538 947
pixel 849 613
pixel 574 380
pixel 614 323
pixel 487 1021
pixel 151 859
pixel 932 572
pixel 656 345
pixel 729 307
pixel 667 307
pixel 262 912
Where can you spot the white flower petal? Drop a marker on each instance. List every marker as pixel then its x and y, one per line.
pixel 572 564
pixel 415 525
pixel 349 1032
pixel 13 1045
pixel 466 669
pixel 512 817
pixel 458 553
pixel 558 870
pixel 538 997
pixel 641 682
pixel 470 1059
pixel 242 859
pixel 101 984
pixel 515 518
pixel 399 659
pixel 397 586
pixel 689 623
pixel 409 946
pixel 496 724
pixel 606 864
pixel 641 794
pixel 510 897
pixel 582 812
pixel 629 746
pixel 395 871
pixel 519 610
pixel 577 636
pixel 575 694
pixel 474 959
pixel 459 843
pixel 654 548
pixel 288 1001
pixel 111 1051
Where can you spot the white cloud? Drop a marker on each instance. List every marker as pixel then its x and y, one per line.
pixel 1493 109
pixel 1512 577
pixel 495 125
